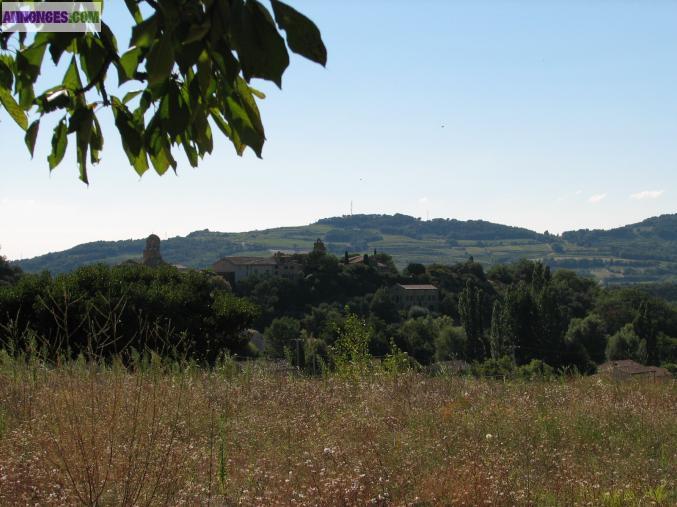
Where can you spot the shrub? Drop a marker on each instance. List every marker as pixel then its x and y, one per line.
pixel 107 310
pixel 350 352
pixel 625 344
pixel 280 335
pixel 590 333
pixel 501 367
pixel 536 369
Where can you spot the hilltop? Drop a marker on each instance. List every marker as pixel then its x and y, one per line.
pixel 641 252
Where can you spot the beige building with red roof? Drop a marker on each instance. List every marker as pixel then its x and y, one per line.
pixel 424 295
pixel 627 368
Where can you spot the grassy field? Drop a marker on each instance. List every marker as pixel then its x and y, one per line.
pixel 83 434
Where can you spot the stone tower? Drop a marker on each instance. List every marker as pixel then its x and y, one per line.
pixel 151 254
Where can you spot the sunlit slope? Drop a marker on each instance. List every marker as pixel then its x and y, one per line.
pixel 641 252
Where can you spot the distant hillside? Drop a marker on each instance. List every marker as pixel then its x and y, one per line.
pixel 643 252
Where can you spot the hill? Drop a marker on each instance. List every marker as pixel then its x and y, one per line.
pixel 642 252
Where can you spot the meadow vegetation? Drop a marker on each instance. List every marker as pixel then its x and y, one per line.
pixel 132 385
pixel 170 433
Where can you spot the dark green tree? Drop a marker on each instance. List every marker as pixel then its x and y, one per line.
pixel 8 274
pixel 415 269
pixel 107 310
pixel 417 338
pixel 645 328
pixel 383 306
pixel 500 339
pixel 450 341
pixel 470 304
pixel 280 335
pixel 520 322
pixel 551 324
pixel 624 344
pixel 589 333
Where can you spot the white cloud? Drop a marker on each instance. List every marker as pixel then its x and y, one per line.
pixel 16 203
pixel 646 194
pixel 423 200
pixel 579 192
pixel 595 198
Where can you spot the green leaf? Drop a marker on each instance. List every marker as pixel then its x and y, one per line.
pixel 59 43
pixel 96 142
pixel 83 119
pixel 202 132
pixel 197 32
pixel 159 151
pixel 24 87
pixel 303 36
pixel 260 47
pixel 72 80
pixel 130 96
pixel 191 152
pixel 93 56
pixel 144 104
pixel 31 136
pixel 133 7
pixel 59 144
pixel 187 55
pixel 222 57
pixel 14 110
pixel 6 76
pixel 29 60
pixel 239 120
pixel 144 33
pixel 227 130
pixel 160 61
pixel 77 118
pixel 130 133
pixel 249 104
pixel 258 93
pixel 108 39
pixel 128 64
pixel 204 72
pixel 174 112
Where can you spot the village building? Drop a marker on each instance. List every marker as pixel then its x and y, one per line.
pixel 151 254
pixel 424 295
pixel 365 260
pixel 236 269
pixel 626 369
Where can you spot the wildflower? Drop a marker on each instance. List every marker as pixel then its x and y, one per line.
pixel 489 436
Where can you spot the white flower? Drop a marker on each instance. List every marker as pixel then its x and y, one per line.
pixel 489 436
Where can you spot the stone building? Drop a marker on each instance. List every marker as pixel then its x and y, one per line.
pixel 236 269
pixel 424 295
pixel 151 254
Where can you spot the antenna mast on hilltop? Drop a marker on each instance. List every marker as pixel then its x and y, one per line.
pixel 351 208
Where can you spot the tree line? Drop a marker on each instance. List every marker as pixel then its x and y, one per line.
pixel 511 315
pixel 519 313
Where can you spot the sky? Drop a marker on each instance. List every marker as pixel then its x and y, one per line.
pixel 553 115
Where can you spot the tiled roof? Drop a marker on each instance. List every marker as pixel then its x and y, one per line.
pixel 244 261
pixel 425 286
pixel 630 367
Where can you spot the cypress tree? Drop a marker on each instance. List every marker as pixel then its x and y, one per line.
pixel 645 328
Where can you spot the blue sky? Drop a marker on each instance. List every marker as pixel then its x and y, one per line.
pixel 549 115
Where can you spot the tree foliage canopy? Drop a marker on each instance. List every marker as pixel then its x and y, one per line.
pixel 192 60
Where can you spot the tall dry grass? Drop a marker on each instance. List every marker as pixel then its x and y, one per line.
pixel 163 435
